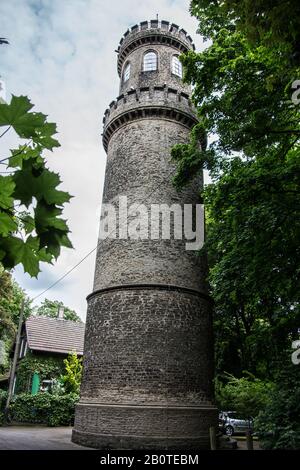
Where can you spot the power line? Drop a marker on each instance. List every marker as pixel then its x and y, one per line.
pixel 66 274
pixel 91 251
pixel 98 244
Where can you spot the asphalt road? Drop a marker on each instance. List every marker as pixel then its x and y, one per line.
pixel 36 438
pixel 44 438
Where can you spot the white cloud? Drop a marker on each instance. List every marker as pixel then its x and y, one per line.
pixel 61 55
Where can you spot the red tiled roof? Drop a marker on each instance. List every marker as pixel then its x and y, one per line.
pixel 55 335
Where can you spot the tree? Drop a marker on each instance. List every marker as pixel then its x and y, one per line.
pixel 270 22
pixel 242 92
pixel 7 326
pixel 49 308
pixel 72 379
pixel 38 233
pixel 248 396
pixel 278 425
pixel 11 296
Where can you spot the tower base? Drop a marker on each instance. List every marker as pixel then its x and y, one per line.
pixel 106 426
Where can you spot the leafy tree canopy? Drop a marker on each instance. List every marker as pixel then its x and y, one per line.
pixel 242 93
pixel 49 308
pixel 11 296
pixel 38 233
pixel 271 21
pixel 247 395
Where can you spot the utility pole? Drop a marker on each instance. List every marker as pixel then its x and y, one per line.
pixel 15 359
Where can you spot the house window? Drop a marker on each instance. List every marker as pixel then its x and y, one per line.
pixel 176 66
pixel 150 61
pixel 126 73
pixel 14 385
pixel 23 348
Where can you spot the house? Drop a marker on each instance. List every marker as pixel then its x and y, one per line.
pixel 45 343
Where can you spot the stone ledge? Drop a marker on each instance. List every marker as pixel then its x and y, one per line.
pixel 106 442
pixel 146 405
pixel 148 286
pixel 143 427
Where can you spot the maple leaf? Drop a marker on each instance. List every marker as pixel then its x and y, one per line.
pixel 33 185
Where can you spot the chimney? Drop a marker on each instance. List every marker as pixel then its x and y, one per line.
pixel 60 313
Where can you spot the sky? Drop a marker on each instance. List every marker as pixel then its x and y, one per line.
pixel 62 56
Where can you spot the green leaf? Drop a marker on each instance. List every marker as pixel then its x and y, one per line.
pixel 12 113
pixel 30 260
pixel 44 256
pixel 18 251
pixel 45 138
pixel 28 124
pixel 41 187
pixel 7 186
pixel 16 114
pixel 24 153
pixel 28 223
pixel 46 216
pixel 65 241
pixel 7 224
pixel 47 183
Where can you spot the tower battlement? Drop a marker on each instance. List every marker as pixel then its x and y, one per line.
pixel 153 32
pixel 158 101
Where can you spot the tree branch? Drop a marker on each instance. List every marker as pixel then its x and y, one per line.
pixel 17 153
pixel 6 130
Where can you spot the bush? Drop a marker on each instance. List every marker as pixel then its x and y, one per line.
pixel 73 371
pixel 44 408
pixel 246 395
pixel 278 426
pixel 3 398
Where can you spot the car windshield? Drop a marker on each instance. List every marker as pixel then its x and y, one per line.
pixel 232 415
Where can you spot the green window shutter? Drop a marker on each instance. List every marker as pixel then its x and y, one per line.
pixel 35 386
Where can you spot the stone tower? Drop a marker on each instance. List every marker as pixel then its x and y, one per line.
pixel 148 364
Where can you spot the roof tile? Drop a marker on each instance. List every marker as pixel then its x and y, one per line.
pixel 55 335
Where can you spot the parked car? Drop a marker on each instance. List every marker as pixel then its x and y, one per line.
pixel 231 423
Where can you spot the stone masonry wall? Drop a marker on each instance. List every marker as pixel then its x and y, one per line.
pixel 162 75
pixel 147 346
pixel 136 151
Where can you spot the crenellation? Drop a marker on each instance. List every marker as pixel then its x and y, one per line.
pixel 144 25
pixel 154 24
pixel 160 94
pixel 153 32
pixel 174 28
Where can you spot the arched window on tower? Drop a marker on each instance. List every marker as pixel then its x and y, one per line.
pixel 176 66
pixel 126 73
pixel 150 61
